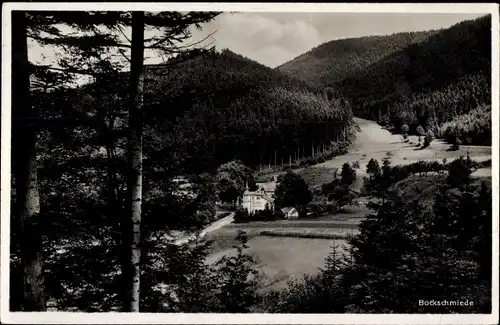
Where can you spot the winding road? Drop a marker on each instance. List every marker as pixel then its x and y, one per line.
pixel 209 228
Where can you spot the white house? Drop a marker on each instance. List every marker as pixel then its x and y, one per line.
pixel 257 200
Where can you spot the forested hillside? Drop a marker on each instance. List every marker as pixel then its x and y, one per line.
pixel 427 83
pixel 336 60
pixel 222 106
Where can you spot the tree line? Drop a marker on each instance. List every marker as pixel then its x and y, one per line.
pixel 334 61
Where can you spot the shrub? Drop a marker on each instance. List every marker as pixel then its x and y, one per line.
pixel 355 164
pixel 429 136
pixel 241 215
pixel 320 159
pixel 302 235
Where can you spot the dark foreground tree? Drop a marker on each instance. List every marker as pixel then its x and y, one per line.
pixel 26 224
pixel 173 28
pixel 89 54
pixel 134 187
pixel 237 281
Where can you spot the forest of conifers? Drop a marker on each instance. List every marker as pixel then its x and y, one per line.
pixel 220 106
pixel 420 78
pixel 228 107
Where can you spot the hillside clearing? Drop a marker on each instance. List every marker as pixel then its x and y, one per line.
pixel 375 142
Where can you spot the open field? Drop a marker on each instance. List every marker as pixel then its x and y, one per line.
pixel 283 259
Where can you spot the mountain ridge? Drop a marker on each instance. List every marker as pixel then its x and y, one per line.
pixel 425 81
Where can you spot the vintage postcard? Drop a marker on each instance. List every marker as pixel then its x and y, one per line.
pixel 259 163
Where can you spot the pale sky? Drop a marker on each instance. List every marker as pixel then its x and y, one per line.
pixel 275 38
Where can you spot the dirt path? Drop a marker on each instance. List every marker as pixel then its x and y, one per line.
pixel 209 228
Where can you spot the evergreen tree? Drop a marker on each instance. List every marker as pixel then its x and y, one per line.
pixel 459 171
pixel 429 136
pixel 373 168
pixel 348 175
pixel 237 280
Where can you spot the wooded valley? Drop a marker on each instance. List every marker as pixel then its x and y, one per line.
pixel 96 166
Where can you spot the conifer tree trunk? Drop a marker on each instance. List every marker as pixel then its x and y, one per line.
pixel 25 171
pixel 134 188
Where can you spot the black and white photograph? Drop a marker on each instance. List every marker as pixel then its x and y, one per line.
pixel 274 161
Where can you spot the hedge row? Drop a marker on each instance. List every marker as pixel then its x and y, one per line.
pixel 304 235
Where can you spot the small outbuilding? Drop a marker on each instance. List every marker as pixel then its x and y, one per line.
pixel 290 212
